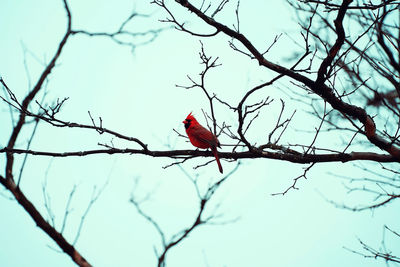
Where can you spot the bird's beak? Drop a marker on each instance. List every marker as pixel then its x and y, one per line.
pixel 184 121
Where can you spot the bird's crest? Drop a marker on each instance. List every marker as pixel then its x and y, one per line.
pixel 190 116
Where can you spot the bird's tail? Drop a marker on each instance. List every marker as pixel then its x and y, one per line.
pixel 215 153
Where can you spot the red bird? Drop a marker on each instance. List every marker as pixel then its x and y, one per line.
pixel 201 137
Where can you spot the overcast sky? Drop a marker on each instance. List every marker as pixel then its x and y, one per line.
pixel 135 93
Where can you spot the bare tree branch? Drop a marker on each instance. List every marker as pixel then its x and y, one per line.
pixel 199 219
pixel 295 158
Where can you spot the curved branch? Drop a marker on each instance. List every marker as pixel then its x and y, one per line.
pixel 8 181
pixel 42 223
pixel 321 89
pixel 338 43
pixel 28 99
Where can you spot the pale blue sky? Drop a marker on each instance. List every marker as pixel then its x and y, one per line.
pixel 135 94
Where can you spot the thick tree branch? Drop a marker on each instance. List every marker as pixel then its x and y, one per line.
pixel 292 157
pixel 322 90
pixel 338 44
pixel 367 5
pixel 42 223
pixel 8 181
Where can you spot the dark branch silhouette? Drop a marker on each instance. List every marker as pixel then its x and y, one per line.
pixel 345 73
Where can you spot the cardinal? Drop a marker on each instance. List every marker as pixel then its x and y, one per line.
pixel 201 137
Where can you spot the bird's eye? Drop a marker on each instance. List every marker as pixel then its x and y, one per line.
pixel 188 120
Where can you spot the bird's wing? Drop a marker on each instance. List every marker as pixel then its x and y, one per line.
pixel 204 136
